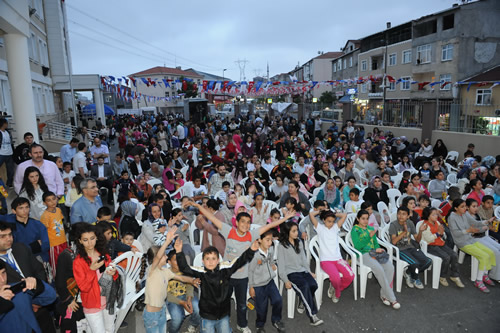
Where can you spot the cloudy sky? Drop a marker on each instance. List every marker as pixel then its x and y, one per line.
pixel 120 37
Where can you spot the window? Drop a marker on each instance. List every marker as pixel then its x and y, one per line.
pixel 167 94
pixel 334 67
pixel 392 59
pixel 364 65
pixel 447 52
pixel 406 57
pixel 392 86
pixel 483 96
pixel 108 98
pixel 363 87
pixel 424 54
pixel 5 103
pixel 345 63
pixel 49 100
pixel 1 41
pixel 33 47
pixel 38 5
pixel 448 21
pixel 340 65
pixel 44 53
pixel 443 78
pixel 350 62
pixel 406 83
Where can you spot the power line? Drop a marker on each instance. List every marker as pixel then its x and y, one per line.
pixel 114 47
pixel 241 64
pixel 118 40
pixel 138 39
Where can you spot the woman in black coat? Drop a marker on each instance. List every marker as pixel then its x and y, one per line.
pixel 376 192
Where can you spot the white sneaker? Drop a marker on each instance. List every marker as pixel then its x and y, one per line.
pixel 191 329
pixel 409 280
pixel 315 321
pixel 331 291
pixel 418 284
pixel 301 308
pixel 244 329
pixel 335 299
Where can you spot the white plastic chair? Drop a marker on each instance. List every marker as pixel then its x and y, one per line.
pixel 349 222
pixel 131 273
pixel 474 264
pixel 397 179
pixel 435 203
pixel 192 228
pixel 184 171
pixel 452 155
pixel 393 195
pixel 436 262
pixel 272 205
pixel 357 263
pixel 400 264
pixel 386 216
pixel 321 275
pixel 153 181
pixel 452 179
pixel 497 212
pixel 308 240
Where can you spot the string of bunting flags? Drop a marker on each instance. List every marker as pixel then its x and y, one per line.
pixel 124 86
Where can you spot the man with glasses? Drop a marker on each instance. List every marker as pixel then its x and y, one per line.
pixel 85 209
pixel 215 182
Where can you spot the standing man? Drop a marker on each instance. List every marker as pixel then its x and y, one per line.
pixel 98 150
pixel 22 152
pixel 6 150
pixel 317 127
pixel 104 176
pixel 80 160
pixel 85 209
pixel 181 132
pixel 69 150
pixel 48 169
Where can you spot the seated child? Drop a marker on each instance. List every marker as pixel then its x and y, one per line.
pixel 215 297
pixel 354 204
pixel 104 214
pixel 423 201
pixel 127 239
pixel 125 185
pixel 372 219
pixel 291 204
pixel 263 289
pixel 181 298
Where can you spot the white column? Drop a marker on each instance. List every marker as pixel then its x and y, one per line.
pixel 18 65
pixel 99 105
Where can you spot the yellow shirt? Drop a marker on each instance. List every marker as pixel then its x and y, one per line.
pixel 55 228
pixel 156 286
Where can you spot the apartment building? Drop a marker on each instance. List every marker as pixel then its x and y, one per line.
pixel 158 74
pixel 345 68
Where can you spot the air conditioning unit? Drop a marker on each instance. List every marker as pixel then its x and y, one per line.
pixel 497 112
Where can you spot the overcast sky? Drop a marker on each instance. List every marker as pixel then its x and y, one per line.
pixel 121 37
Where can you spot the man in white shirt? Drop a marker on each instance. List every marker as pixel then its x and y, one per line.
pixel 6 151
pixel 317 127
pixel 99 150
pixel 196 153
pixel 181 132
pixel 80 161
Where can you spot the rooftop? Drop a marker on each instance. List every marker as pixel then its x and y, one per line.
pixel 329 55
pixel 160 70
pixel 490 75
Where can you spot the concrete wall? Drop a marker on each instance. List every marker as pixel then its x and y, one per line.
pixel 485 144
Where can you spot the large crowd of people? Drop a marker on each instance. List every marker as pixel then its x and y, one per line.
pixel 229 208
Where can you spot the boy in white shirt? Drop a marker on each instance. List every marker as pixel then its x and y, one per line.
pixel 67 175
pixel 354 204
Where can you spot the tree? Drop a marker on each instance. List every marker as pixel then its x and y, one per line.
pixel 327 97
pixel 189 88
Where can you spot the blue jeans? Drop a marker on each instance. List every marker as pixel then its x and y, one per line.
pixel 177 315
pixel 155 322
pixel 262 295
pixel 9 166
pixel 220 326
pixel 240 287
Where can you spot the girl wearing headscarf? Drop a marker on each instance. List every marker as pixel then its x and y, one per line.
pixel 128 222
pixel 330 193
pixel 308 179
pixel 148 226
pixel 227 208
pixel 375 192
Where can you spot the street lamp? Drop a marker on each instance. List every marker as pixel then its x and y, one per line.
pixel 223 90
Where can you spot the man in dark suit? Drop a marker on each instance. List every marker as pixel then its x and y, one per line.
pixel 21 265
pixel 138 165
pixel 103 174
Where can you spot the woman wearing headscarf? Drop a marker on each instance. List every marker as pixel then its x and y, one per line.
pixel 308 179
pixel 148 226
pixel 128 222
pixel 227 209
pixel 440 149
pixel 330 193
pixel 375 192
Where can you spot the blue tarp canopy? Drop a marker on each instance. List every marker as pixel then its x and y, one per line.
pixel 345 99
pixel 90 110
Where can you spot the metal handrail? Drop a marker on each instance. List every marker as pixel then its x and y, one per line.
pixel 64 131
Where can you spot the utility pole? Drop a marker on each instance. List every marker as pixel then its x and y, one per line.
pixel 242 64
